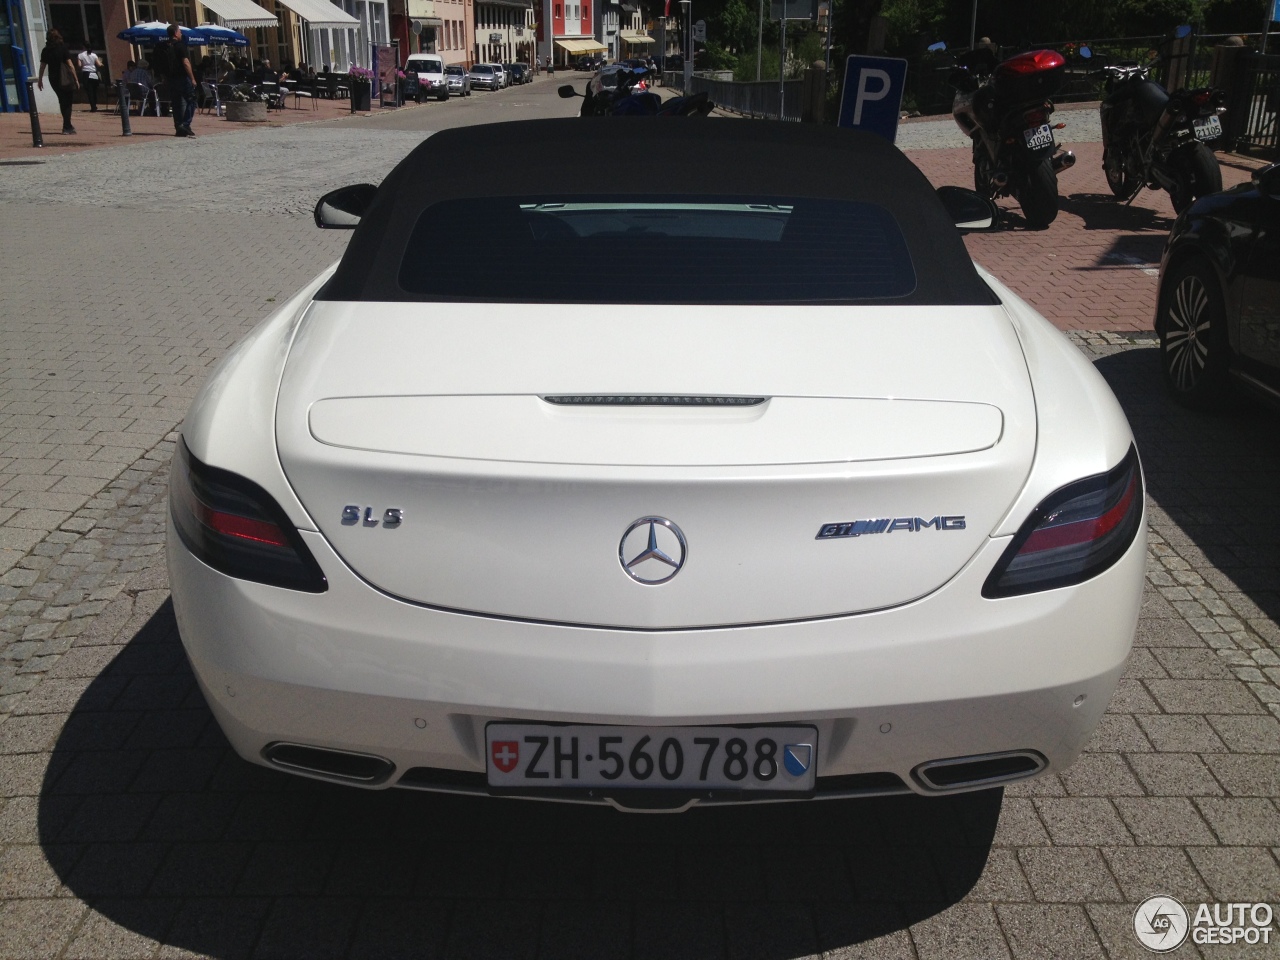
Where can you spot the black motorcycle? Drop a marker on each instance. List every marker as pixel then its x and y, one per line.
pixel 1005 109
pixel 1154 138
pixel 616 91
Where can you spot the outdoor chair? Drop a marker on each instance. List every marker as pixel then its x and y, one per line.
pixel 140 93
pixel 209 99
pixel 274 94
pixel 305 88
pixel 163 101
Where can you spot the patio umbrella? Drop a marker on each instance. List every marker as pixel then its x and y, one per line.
pixel 149 34
pixel 217 36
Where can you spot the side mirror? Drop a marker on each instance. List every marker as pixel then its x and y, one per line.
pixel 1267 179
pixel 1085 52
pixel 971 212
pixel 342 209
pixel 567 92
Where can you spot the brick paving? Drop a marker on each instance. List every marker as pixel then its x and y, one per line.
pixel 103 129
pixel 129 829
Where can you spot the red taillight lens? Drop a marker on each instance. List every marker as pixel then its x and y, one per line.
pixel 234 526
pixel 1033 62
pixel 1034 118
pixel 1074 534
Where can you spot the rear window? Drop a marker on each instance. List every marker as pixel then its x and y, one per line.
pixel 657 249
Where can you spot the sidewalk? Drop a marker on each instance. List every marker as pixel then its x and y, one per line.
pixel 102 129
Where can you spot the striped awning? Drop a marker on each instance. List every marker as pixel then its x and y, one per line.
pixel 240 13
pixel 581 45
pixel 321 14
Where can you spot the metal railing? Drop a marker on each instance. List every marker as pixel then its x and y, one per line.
pixel 750 99
pixel 1255 101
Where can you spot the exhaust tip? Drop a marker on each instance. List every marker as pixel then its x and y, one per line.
pixel 1063 161
pixel 984 770
pixel 342 765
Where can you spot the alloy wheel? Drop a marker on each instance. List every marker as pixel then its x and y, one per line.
pixel 1186 336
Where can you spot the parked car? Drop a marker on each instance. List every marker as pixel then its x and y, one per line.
pixel 527 72
pixel 429 69
pixel 517 74
pixel 745 563
pixel 457 80
pixel 504 79
pixel 482 77
pixel 1218 310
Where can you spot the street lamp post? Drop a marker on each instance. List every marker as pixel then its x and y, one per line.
pixel 688 43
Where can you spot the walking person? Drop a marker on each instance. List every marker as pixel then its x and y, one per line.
pixel 56 58
pixel 173 61
pixel 89 65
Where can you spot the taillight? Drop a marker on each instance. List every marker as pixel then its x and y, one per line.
pixel 1201 97
pixel 234 526
pixel 1075 534
pixel 1033 118
pixel 1033 62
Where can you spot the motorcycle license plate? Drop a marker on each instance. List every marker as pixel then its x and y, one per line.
pixel 1207 128
pixel 527 756
pixel 1039 137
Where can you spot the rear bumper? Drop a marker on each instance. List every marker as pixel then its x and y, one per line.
pixel 951 675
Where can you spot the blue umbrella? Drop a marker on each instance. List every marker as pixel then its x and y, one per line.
pixel 216 36
pixel 147 34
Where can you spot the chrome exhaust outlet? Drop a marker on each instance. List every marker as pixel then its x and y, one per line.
pixel 1064 160
pixel 983 770
pixel 343 766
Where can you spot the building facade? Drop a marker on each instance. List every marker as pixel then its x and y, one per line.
pixel 504 31
pixel 568 31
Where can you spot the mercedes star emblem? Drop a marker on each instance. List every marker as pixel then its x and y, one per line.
pixel 652 550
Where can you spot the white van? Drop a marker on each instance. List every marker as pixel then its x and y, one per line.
pixel 430 70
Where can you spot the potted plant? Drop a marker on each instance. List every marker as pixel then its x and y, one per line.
pixel 361 88
pixel 246 107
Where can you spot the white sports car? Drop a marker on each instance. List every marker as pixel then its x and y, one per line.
pixel 723 480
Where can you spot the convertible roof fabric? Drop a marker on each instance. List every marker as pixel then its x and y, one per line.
pixel 683 156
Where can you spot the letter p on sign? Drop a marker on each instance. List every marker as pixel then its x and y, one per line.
pixel 872 95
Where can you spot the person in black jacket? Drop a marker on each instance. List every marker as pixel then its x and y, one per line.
pixel 56 58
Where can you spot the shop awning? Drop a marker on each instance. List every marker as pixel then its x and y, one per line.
pixel 321 14
pixel 581 46
pixel 635 38
pixel 240 13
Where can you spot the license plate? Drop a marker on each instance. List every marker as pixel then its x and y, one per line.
pixel 536 756
pixel 1038 137
pixel 1207 128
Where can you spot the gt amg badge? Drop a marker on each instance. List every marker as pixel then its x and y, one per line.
pixel 856 528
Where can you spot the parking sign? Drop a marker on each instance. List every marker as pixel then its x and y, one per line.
pixel 872 96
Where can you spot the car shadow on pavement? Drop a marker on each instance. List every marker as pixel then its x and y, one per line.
pixel 148 816
pixel 1214 475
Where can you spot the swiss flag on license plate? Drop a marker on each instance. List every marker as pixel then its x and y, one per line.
pixel 506 754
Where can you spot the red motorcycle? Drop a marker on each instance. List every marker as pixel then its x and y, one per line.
pixel 1005 109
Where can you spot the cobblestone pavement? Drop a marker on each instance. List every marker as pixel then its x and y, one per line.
pixel 129 829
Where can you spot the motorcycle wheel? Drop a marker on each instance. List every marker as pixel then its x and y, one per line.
pixel 1039 195
pixel 1122 181
pixel 1194 351
pixel 1198 176
pixel 982 172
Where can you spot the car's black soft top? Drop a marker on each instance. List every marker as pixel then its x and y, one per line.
pixel 638 157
